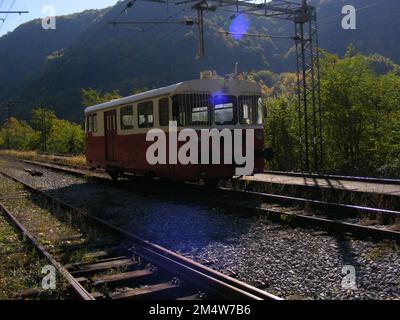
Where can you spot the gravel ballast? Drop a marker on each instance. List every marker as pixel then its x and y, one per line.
pixel 293 263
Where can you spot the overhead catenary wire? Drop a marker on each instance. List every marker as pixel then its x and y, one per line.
pixel 102 27
pixel 125 23
pixel 176 44
pixel 256 35
pixel 357 10
pixel 168 18
pixel 6 16
pixel 115 22
pixel 131 3
pixel 163 36
pixel 187 22
pixel 95 32
pixel 201 7
pixel 3 20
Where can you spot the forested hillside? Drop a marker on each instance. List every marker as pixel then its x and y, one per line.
pixel 50 67
pixel 360 97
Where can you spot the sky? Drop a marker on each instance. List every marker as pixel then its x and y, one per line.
pixel 34 7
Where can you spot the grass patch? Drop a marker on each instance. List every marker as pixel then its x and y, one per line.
pixel 20 266
pixel 75 161
pixel 380 250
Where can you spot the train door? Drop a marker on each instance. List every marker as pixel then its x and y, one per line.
pixel 110 133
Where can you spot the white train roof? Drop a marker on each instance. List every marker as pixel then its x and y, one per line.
pixel 212 86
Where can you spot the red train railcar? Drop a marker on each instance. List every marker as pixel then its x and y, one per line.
pixel 116 130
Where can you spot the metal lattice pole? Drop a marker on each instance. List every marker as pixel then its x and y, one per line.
pixel 315 86
pixel 300 108
pixel 308 91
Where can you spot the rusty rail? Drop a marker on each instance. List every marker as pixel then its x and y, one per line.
pixel 214 281
pixel 307 220
pixel 78 288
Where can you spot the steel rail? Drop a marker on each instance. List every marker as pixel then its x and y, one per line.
pixel 79 289
pixel 317 204
pixel 315 220
pixel 327 224
pixel 203 276
pixel 281 173
pixel 311 220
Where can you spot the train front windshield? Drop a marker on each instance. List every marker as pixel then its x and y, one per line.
pixel 204 109
pixel 225 110
pixel 249 109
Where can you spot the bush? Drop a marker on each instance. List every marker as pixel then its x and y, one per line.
pixel 16 135
pixel 66 138
pixel 48 134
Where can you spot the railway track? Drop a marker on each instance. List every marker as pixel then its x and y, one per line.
pixel 57 157
pixel 329 216
pixel 333 217
pixel 132 268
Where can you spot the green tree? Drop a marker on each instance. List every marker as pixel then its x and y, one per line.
pixel 42 122
pixel 66 138
pixel 360 107
pixel 281 132
pixel 16 135
pixel 91 97
pixel 361 117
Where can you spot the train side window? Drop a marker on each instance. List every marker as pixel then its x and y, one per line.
pixel 260 110
pixel 199 115
pixel 191 109
pixel 200 109
pixel 178 110
pixel 225 110
pixel 94 122
pixel 163 112
pixel 247 109
pixel 126 115
pixel 145 114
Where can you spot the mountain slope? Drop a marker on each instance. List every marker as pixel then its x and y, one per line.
pixel 378 27
pixel 25 51
pixel 92 53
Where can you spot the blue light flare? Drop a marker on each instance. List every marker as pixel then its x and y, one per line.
pixel 238 27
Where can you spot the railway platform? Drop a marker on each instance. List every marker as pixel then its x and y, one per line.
pixel 378 193
pixel 390 187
